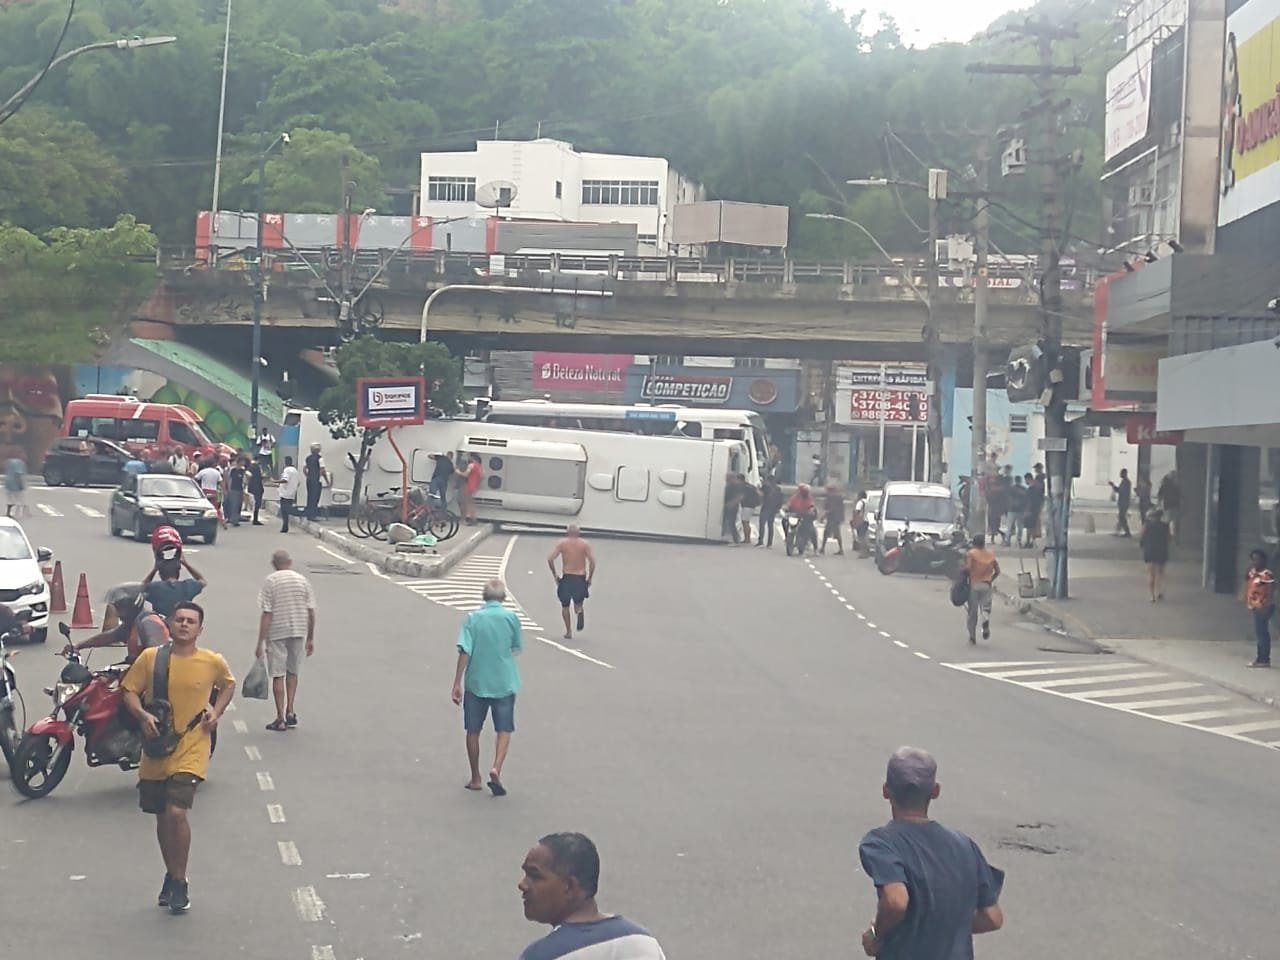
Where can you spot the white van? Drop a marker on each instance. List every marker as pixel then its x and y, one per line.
pixel 929 507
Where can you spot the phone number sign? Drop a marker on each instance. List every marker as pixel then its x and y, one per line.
pixel 891 406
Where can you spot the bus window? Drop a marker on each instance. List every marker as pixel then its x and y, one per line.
pixel 145 431
pixel 762 447
pixel 180 433
pixel 730 433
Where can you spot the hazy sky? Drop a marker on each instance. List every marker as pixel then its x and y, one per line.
pixel 923 22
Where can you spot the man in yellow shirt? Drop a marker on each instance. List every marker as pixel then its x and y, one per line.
pixel 167 785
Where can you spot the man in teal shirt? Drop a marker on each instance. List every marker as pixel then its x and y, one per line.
pixel 487 679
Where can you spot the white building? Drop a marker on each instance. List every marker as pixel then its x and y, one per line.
pixel 553 181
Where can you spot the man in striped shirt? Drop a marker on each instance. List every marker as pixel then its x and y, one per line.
pixel 286 630
pixel 561 874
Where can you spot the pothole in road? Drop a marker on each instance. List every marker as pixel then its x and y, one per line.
pixel 1032 837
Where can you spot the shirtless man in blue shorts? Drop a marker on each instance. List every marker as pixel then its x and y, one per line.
pixel 578 568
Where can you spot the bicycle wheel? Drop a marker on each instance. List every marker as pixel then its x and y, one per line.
pixel 355 522
pixel 443 524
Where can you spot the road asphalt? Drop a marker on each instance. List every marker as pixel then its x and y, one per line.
pixel 720 729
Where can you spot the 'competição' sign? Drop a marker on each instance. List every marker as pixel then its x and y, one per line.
pixel 390 401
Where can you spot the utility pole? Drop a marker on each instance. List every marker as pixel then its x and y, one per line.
pixel 978 448
pixel 345 268
pixel 933 340
pixel 259 295
pixel 1045 73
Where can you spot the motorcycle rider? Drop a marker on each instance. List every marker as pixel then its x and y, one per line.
pixel 802 507
pixel 170 590
pixel 139 627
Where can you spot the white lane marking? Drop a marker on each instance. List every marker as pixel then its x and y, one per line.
pixel 850 608
pixel 265 783
pixel 862 616
pixel 1082 668
pixel 336 556
pixel 840 599
pixel 923 656
pixel 506 554
pixel 1209 714
pixel 871 625
pixel 1240 728
pixel 1095 680
pixel 289 854
pixel 1139 699
pixel 1132 691
pixel 1000 663
pixel 1176 702
pixel 884 634
pixel 576 653
pixel 899 643
pixel 47 510
pixel 240 726
pixel 322 953
pixel 275 813
pixel 347 876
pixel 373 568
pixel 308 905
pixel 252 752
pixel 90 511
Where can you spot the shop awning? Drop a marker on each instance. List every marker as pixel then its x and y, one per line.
pixel 1222 396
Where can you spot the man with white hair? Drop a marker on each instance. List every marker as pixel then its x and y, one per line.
pixel 286 630
pixel 934 888
pixel 577 570
pixel 487 680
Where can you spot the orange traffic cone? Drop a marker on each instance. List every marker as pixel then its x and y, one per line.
pixel 57 594
pixel 82 616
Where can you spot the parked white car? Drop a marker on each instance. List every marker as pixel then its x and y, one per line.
pixel 22 584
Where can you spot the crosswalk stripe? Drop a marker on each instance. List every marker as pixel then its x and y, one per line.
pixel 47 510
pixel 1044 672
pixel 1208 714
pixel 89 511
pixel 1085 681
pixel 1135 691
pixel 1176 702
pixel 1240 728
pixel 1002 663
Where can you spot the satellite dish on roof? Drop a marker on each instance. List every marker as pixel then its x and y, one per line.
pixel 496 194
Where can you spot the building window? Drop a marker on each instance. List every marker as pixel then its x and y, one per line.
pixel 650 238
pixel 668 360
pixel 748 363
pixel 451 189
pixel 620 193
pixel 1017 423
pixel 559 189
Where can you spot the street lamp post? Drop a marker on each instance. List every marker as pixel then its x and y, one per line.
pixel 927 298
pixel 259 285
pixel 132 43
pixel 217 153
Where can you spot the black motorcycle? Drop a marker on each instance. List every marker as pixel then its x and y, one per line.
pixel 12 709
pixel 799 530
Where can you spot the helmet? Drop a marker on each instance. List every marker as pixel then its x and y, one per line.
pixel 126 595
pixel 166 543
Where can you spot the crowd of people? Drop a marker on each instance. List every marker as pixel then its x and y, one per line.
pixel 747 506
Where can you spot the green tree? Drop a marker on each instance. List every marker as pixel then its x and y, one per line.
pixel 54 172
pixel 305 175
pixel 367 356
pixel 66 295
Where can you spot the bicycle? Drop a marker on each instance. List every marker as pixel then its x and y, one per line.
pixel 374 516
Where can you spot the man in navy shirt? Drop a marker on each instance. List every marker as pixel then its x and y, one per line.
pixel 935 889
pixel 561 874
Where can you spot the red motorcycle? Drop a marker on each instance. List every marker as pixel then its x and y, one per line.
pixel 90 703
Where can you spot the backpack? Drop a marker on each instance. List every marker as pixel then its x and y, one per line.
pixel 167 739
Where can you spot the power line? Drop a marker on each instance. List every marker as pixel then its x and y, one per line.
pixel 53 55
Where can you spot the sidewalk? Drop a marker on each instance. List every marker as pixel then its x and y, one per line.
pixel 1207 635
pixel 437 562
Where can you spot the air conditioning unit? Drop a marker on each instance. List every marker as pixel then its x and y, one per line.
pixel 1013 161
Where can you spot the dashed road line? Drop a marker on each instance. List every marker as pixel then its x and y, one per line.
pixel 265 783
pixel 308 905
pixel 899 643
pixel 885 634
pixel 240 726
pixel 90 511
pixel 322 953
pixel 275 812
pixel 252 752
pixel 47 510
pixel 289 854
pixel 1110 685
pixel 334 554
pixel 922 656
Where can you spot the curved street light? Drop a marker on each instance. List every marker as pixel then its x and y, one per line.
pixel 131 43
pixel 885 253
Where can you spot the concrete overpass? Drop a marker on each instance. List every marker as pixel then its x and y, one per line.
pixel 843 310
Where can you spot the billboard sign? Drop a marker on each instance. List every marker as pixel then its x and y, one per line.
pixel 685 388
pixel 869 393
pixel 1140 430
pixel 390 401
pixel 1128 104
pixel 1249 175
pixel 581 372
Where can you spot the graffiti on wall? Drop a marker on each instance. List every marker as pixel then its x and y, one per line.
pixel 33 399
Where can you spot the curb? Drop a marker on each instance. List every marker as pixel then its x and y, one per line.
pixel 405 564
pixel 1079 630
